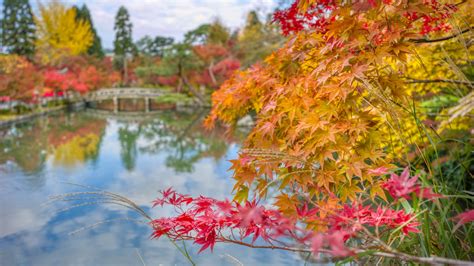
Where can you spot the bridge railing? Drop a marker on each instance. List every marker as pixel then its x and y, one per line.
pixel 110 93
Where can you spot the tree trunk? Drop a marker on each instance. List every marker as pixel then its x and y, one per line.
pixel 10 106
pixel 180 85
pixel 194 91
pixel 211 73
pixel 125 71
pixel 180 75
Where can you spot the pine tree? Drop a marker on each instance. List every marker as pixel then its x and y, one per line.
pixel 154 46
pixel 84 14
pixel 253 20
pixel 218 33
pixel 18 27
pixel 251 45
pixel 123 43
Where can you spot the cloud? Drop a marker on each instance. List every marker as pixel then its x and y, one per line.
pixel 171 17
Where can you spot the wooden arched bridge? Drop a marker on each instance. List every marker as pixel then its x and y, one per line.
pixel 116 94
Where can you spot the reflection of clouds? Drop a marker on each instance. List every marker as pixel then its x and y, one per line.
pixel 142 185
pixel 17 214
pixel 116 244
pixel 110 147
pixel 31 235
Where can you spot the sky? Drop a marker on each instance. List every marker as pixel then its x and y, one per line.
pixel 171 18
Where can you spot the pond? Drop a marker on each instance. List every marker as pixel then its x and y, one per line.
pixel 132 155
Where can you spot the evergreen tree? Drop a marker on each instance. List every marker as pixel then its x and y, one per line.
pixel 215 33
pixel 84 14
pixel 253 20
pixel 18 27
pixel 218 33
pixel 123 43
pixel 197 36
pixel 154 46
pixel 257 40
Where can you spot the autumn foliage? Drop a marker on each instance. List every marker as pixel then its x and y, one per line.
pixel 327 101
pixel 362 143
pixel 207 221
pixel 59 65
pixel 77 74
pixel 60 33
pixel 18 78
pixel 335 112
pixel 26 81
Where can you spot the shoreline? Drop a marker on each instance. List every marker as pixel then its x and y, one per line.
pixel 78 106
pixel 26 117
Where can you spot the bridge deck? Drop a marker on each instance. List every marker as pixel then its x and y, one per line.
pixel 116 94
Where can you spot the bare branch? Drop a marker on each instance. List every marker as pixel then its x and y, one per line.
pixel 460 3
pixel 433 260
pixel 441 39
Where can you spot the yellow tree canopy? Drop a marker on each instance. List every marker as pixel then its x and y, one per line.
pixel 58 29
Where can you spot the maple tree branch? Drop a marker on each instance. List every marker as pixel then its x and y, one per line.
pixel 432 260
pixel 460 3
pixel 461 82
pixel 441 39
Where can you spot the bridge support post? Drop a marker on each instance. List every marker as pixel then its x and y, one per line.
pixel 116 105
pixel 147 104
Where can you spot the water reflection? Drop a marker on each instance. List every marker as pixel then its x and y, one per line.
pixel 68 140
pixel 135 156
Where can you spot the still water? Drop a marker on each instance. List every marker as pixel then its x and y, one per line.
pixel 132 155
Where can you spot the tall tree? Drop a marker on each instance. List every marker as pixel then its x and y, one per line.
pixel 256 40
pixel 218 33
pixel 59 33
pixel 83 14
pixel 253 20
pixel 18 27
pixel 123 43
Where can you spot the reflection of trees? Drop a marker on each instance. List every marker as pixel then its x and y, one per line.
pixel 76 139
pixel 128 137
pixel 68 138
pixel 182 135
pixel 25 146
pixel 77 150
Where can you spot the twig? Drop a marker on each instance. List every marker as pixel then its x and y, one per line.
pixel 140 257
pixel 441 39
pixel 103 222
pixel 463 82
pixel 234 259
pixel 460 3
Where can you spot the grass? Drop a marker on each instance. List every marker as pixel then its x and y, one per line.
pixel 7 117
pixel 96 196
pixel 174 98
